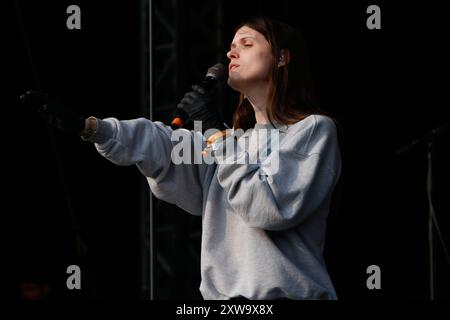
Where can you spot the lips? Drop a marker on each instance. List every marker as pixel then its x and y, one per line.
pixel 232 67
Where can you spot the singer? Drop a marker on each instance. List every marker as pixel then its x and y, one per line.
pixel 263 233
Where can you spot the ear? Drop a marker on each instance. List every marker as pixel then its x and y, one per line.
pixel 285 57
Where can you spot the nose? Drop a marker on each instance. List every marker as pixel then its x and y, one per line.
pixel 232 54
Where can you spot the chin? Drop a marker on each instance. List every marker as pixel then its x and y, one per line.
pixel 236 83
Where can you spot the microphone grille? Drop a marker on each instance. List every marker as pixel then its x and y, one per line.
pixel 217 71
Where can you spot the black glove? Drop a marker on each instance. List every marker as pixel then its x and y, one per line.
pixel 200 105
pixel 53 111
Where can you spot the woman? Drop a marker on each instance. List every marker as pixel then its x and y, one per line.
pixel 263 231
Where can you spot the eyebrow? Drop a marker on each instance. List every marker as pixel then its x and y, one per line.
pixel 232 45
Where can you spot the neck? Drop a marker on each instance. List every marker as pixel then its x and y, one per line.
pixel 261 117
pixel 259 101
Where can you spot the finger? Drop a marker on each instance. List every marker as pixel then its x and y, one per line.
pixel 187 100
pixel 183 101
pixel 198 88
pixel 189 94
pixel 192 95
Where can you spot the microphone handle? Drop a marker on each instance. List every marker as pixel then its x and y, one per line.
pixel 179 119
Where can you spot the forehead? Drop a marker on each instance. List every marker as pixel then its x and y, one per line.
pixel 246 31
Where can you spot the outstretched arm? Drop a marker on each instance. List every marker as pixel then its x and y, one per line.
pixel 149 146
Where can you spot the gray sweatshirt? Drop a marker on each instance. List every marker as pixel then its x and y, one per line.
pixel 263 233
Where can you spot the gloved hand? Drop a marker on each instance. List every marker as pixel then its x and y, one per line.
pixel 53 111
pixel 199 105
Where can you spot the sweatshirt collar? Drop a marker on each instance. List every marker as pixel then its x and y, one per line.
pixel 276 125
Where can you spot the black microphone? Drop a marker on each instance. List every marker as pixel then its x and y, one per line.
pixel 215 75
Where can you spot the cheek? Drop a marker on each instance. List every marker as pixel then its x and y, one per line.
pixel 262 64
pixel 254 67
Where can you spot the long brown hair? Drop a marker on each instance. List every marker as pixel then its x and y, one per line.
pixel 290 90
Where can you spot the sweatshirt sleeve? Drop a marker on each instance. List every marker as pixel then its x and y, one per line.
pixel 308 168
pixel 148 145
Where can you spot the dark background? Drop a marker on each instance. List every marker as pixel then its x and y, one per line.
pixel 64 204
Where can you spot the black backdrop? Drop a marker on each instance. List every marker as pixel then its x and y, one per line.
pixel 384 86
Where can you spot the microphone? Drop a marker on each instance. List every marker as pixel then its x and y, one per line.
pixel 215 75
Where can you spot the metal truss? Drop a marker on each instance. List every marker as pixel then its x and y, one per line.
pixel 186 40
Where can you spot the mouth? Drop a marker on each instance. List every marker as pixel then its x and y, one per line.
pixel 232 67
